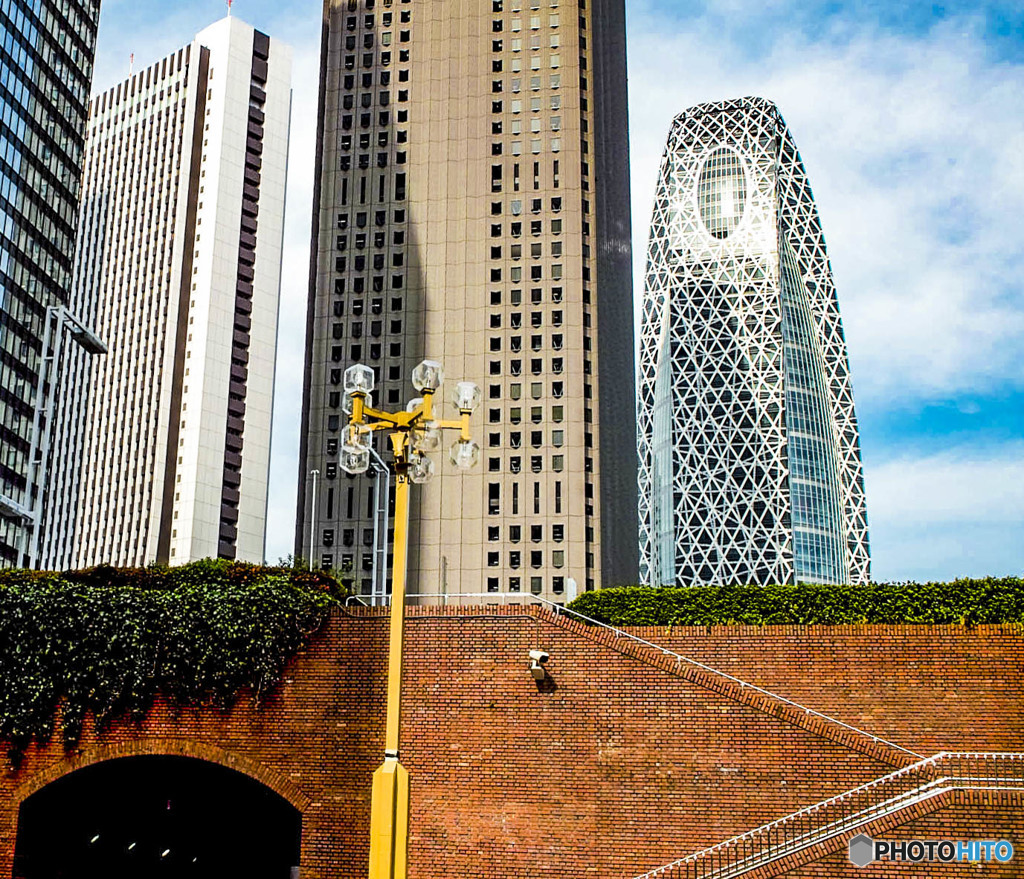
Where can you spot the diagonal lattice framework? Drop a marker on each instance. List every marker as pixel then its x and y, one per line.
pixel 750 467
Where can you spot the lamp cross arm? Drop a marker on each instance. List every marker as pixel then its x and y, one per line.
pixel 461 425
pixel 381 419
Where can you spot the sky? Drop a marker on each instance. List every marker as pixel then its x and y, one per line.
pixel 910 121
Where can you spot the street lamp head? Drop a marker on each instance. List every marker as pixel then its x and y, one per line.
pixel 421 468
pixel 355 461
pixel 414 404
pixel 428 439
pixel 466 396
pixel 427 376
pixel 85 337
pixel 359 379
pixel 352 439
pixel 465 454
pixel 346 404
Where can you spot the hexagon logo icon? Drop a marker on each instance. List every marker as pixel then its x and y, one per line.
pixel 862 850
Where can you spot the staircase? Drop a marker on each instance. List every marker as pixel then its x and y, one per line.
pixel 885 797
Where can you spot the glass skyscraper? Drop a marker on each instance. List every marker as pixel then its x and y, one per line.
pixel 750 468
pixel 46 57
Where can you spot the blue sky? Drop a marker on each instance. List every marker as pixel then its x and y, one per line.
pixel 910 120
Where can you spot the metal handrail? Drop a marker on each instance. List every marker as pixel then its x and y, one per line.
pixel 619 633
pixel 845 812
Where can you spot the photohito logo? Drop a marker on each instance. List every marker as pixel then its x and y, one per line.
pixel 864 850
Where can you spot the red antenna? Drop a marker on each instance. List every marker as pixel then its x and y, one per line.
pixel 131 64
pixel 229 8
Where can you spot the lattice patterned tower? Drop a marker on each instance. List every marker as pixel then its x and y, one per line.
pixel 750 468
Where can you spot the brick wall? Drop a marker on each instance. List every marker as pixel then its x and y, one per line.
pixel 610 767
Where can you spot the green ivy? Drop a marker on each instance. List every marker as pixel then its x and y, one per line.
pixel 106 640
pixel 965 602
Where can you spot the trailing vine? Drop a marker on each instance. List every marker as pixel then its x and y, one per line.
pixel 105 640
pixel 964 602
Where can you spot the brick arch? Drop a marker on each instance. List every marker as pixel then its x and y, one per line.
pixel 164 747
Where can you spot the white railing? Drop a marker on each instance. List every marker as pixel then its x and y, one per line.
pixel 849 810
pixel 558 609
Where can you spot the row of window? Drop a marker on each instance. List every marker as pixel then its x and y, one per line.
pixel 516 24
pixel 536 250
pixel 515 273
pixel 515 367
pixel 380 217
pixel 515 533
pixel 534 84
pixel 357 307
pixel 515 464
pixel 536 584
pixel 361 239
pixel 515 414
pixel 494 491
pixel 515 343
pixel 515 298
pixel 515 558
pixel 517 5
pixel 515 390
pixel 386 18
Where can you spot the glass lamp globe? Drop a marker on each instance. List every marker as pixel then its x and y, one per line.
pixel 359 379
pixel 466 396
pixel 346 404
pixel 428 439
pixel 465 454
pixel 355 461
pixel 352 439
pixel 421 468
pixel 427 376
pixel 414 404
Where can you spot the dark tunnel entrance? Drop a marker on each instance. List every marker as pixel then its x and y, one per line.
pixel 158 818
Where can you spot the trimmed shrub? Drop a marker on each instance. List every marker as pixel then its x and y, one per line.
pixel 966 602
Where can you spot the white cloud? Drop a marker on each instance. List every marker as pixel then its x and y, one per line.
pixel 916 155
pixel 957 513
pixel 984 486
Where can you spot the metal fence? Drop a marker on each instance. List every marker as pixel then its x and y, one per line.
pixel 849 810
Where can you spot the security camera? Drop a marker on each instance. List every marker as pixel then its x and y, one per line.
pixel 537 660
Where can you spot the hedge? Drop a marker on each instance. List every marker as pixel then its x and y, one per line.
pixel 965 602
pixel 106 640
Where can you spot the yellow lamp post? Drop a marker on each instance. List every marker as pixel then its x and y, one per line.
pixel 414 432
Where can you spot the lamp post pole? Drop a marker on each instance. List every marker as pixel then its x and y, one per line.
pixel 389 801
pixel 412 433
pixel 381 501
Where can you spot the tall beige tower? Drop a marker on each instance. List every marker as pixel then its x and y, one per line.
pixel 178 270
pixel 473 207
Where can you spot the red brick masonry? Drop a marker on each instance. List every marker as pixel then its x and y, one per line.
pixel 618 763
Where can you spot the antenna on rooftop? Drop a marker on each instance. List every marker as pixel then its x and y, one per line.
pixel 131 64
pixel 229 2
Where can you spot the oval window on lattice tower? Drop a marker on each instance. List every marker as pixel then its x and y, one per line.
pixel 722 192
